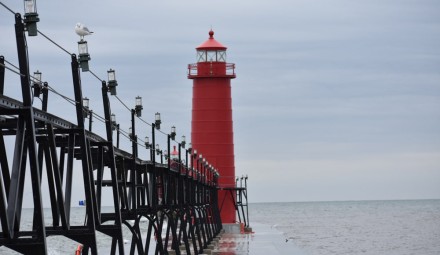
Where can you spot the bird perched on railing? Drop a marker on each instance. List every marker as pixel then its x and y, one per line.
pixel 82 30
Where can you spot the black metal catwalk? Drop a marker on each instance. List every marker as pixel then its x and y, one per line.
pixel 178 203
pixel 239 196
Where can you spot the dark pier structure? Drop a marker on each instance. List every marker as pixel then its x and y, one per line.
pixel 177 202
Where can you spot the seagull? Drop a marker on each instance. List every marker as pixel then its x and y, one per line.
pixel 82 30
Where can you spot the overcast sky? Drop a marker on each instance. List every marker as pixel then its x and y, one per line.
pixel 333 100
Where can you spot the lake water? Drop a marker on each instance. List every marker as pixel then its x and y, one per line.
pixel 356 227
pixel 401 227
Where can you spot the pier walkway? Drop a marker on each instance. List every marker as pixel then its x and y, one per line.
pixel 265 240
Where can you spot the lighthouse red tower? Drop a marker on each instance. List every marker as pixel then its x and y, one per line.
pixel 211 125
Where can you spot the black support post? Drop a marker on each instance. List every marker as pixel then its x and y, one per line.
pixel 85 157
pixel 2 75
pixel 118 237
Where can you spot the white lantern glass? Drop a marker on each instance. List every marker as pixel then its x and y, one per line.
pixel 37 76
pixel 111 75
pixel 30 6
pixel 82 47
pixel 138 101
pixel 86 102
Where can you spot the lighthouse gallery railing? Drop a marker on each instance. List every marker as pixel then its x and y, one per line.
pixel 209 69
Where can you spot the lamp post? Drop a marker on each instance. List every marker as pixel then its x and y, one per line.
pixel 115 126
pixel 194 158
pixel 148 145
pixel 138 108
pixel 199 176
pixel 37 84
pixel 155 125
pixel 182 144
pixel 165 154
pixel 45 96
pixel 199 165
pixel 86 102
pixel 83 56
pixel 204 170
pixel 200 160
pixel 180 155
pixel 170 136
pixel 113 121
pixel 138 111
pixel 90 120
pixel 153 159
pixel 209 174
pixel 112 83
pixel 159 152
pixel 186 154
pixel 203 180
pixel 87 112
pixel 31 17
pixel 212 176
pixel 157 120
pixel 173 133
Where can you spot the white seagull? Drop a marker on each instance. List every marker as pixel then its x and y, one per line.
pixel 82 30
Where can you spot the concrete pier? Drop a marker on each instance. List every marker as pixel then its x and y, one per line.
pixel 264 240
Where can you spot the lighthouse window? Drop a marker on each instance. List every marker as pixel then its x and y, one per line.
pixel 221 56
pixel 211 55
pixel 201 56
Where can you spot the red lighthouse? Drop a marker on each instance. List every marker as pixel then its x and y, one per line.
pixel 211 125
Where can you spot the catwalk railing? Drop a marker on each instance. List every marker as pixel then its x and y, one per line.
pixel 178 203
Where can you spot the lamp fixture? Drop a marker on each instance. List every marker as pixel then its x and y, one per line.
pixel 157 149
pixel 83 56
pixel 112 83
pixel 31 17
pixel 173 133
pixel 157 120
pixel 37 84
pixel 183 142
pixel 147 142
pixel 138 108
pixel 113 120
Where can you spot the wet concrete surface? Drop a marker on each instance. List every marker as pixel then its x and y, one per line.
pixel 264 240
